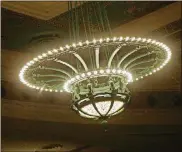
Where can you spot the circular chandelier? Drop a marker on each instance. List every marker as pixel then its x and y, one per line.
pixel 96 72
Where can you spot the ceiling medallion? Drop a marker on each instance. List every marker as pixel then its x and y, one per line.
pixel 98 91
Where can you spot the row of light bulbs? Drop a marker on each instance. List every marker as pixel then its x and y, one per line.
pixel 51 52
pixel 80 44
pixel 21 77
pixel 168 54
pixel 97 73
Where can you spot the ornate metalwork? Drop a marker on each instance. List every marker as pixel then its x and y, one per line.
pixel 98 82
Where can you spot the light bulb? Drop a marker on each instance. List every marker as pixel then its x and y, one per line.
pixel 121 38
pixel 40 57
pixel 89 73
pixel 114 39
pixel 127 38
pixel 108 70
pixel 44 54
pixel 119 71
pixel 80 43
pixel 72 79
pixel 101 71
pixel 25 67
pixel 139 39
pixel 61 48
pixel 78 77
pixel 74 45
pixel 161 67
pixel 144 39
pixel 149 40
pixel 67 46
pixel 32 62
pixel 87 42
pixel 35 59
pixel 133 38
pixel 153 42
pixel 95 72
pixel 49 52
pixel 28 63
pixel 114 71
pixel 83 74
pixel 55 50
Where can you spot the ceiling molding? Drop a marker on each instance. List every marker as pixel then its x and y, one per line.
pixel 38 111
pixel 41 10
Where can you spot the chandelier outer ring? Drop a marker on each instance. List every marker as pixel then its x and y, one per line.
pixel 69 49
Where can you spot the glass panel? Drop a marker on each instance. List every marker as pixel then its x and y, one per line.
pixel 116 106
pixel 90 110
pixel 103 107
pixel 118 112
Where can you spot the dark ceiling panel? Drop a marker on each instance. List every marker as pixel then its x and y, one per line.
pixel 18 29
pixel 125 137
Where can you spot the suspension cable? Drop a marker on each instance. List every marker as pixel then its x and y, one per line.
pixel 84 20
pixel 107 21
pixel 69 21
pixel 73 20
pixel 87 9
pixel 97 19
pixel 76 22
pixel 100 15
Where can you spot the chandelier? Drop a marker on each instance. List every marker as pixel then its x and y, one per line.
pixel 96 72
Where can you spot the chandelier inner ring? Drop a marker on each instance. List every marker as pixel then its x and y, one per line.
pixel 127 77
